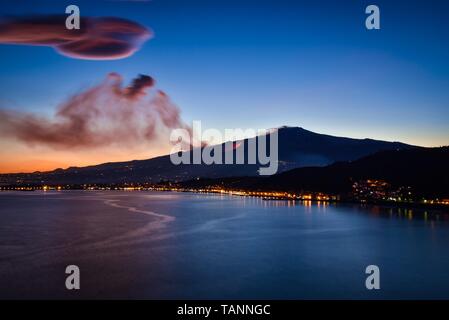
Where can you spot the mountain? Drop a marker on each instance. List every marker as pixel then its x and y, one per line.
pixel 297 148
pixel 424 170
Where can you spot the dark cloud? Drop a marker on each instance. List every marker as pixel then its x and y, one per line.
pixel 106 114
pixel 138 86
pixel 97 39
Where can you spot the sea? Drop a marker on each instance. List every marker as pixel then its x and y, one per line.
pixel 175 245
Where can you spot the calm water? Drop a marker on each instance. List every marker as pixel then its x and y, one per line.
pixel 180 245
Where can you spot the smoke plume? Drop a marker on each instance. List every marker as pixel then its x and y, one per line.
pixel 106 114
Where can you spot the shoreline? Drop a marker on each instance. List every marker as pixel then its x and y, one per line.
pixel 387 204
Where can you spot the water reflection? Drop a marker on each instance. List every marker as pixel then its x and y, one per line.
pixel 373 210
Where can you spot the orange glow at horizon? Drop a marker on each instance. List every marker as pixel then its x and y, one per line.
pixel 15 158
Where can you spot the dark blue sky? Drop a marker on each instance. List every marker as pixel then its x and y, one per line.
pixel 264 64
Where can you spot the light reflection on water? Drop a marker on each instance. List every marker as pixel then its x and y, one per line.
pixel 217 246
pixel 321 207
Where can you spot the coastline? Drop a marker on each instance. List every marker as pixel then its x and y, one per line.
pixel 443 208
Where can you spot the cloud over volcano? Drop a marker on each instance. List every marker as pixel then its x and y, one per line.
pixel 104 38
pixel 106 114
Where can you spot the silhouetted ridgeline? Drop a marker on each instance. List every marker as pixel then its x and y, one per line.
pixel 297 148
pixel 424 170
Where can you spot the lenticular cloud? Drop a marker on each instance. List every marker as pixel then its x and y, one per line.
pixel 97 39
pixel 106 114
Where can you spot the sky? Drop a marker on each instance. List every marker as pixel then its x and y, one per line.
pixel 244 64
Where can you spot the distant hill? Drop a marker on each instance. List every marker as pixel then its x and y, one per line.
pixel 297 148
pixel 423 169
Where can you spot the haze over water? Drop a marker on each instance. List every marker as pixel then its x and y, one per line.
pixel 154 245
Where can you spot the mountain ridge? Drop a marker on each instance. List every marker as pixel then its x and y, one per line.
pixel 298 147
pixel 422 169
